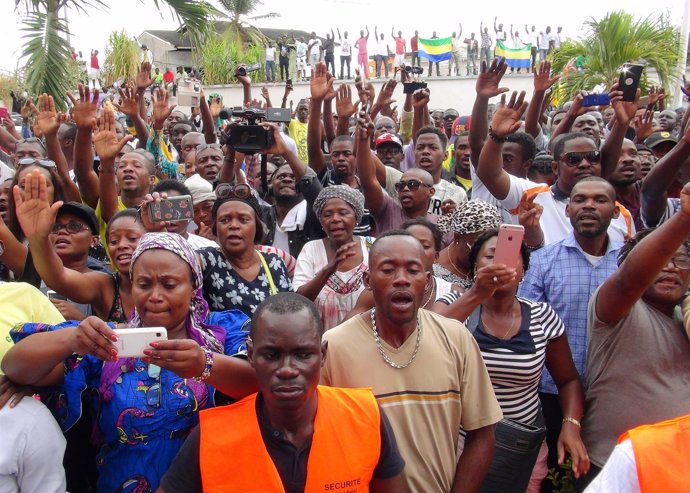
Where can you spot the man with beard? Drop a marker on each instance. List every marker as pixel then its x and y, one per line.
pixel 638 355
pixel 291 221
pixel 426 370
pixel 626 181
pixel 343 169
pixel 566 273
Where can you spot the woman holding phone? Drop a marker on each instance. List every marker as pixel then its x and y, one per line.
pixel 143 407
pixel 518 338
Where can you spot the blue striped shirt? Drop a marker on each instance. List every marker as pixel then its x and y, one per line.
pixel 561 275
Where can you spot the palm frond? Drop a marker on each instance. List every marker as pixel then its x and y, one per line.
pixel 239 8
pixel 612 41
pixel 270 15
pixel 194 15
pixel 49 55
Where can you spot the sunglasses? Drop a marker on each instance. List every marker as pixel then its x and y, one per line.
pixel 240 190
pixel 153 393
pixel 413 185
pixel 572 159
pixel 202 147
pixel 29 161
pixel 32 140
pixel 70 227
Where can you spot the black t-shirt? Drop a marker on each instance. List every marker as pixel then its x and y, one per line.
pixel 184 475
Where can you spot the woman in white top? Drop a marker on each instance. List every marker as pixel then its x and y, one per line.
pixel 330 271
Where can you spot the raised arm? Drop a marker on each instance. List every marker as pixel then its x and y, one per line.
pixel 84 115
pixel 298 167
pixel 36 217
pixel 506 121
pixel 344 109
pixel 207 117
pixel 340 38
pixel 655 185
pixel 373 194
pixel 495 28
pixel 129 105
pixel 328 127
pixel 621 291
pixel 420 105
pixel 542 83
pixel 320 86
pixel 246 82
pixel 486 88
pixel 624 114
pixel 573 112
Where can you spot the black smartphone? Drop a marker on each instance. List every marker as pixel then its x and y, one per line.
pixel 172 209
pixel 629 80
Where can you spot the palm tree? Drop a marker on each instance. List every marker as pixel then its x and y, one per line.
pixel 49 62
pixel 609 43
pixel 240 29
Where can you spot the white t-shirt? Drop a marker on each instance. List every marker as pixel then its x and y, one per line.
pixel 443 190
pixel 270 54
pixel 544 41
pixel 619 473
pixel 31 457
pixel 315 46
pixel 517 188
pixel 534 39
pixel 198 242
pixel 301 49
pixel 345 47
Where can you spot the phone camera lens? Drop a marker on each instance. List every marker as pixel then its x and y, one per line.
pixel 158 334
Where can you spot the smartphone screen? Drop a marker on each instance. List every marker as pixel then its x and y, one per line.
pixel 508 245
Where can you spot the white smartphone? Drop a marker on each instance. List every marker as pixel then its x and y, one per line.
pixel 132 342
pixel 52 295
pixel 508 245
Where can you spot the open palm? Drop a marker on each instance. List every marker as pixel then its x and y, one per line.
pixel 35 214
pixel 84 109
pixel 320 85
pixel 506 119
pixel 46 118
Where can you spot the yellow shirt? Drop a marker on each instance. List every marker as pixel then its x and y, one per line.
pixel 449 158
pixel 22 303
pixel 298 132
pixel 102 225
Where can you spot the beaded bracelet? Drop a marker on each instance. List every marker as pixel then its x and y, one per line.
pixel 207 369
pixel 495 137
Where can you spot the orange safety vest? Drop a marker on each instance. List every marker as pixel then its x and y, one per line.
pixel 662 454
pixel 344 452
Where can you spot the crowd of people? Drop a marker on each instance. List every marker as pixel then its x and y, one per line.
pixel 389 53
pixel 337 317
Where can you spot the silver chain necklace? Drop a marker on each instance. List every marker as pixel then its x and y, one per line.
pixel 379 346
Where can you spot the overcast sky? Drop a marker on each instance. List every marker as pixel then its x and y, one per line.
pixel 135 16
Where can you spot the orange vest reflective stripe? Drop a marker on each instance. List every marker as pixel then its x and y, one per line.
pixel 344 452
pixel 662 455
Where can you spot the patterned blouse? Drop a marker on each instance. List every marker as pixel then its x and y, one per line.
pixel 225 289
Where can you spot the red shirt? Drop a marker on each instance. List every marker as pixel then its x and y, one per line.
pixel 413 44
pixel 168 77
pixel 400 46
pixel 94 61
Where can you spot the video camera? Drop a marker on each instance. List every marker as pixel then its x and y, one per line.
pixel 247 136
pixel 414 70
pixel 411 86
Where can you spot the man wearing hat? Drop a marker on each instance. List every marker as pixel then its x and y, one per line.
pixel 203 198
pixel 660 143
pixel 389 150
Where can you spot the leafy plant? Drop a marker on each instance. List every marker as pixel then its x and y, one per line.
pixel 562 477
pixel 49 63
pixel 121 59
pixel 219 58
pixel 609 43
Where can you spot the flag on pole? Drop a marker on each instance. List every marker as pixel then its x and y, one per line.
pixel 435 50
pixel 515 57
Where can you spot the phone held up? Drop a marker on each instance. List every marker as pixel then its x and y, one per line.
pixel 508 245
pixel 172 209
pixel 132 342
pixel 629 80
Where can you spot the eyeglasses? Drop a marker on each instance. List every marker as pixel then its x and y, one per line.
pixel 388 150
pixel 681 262
pixel 71 227
pixel 202 147
pixel 32 140
pixel 29 161
pixel 572 159
pixel 240 190
pixel 413 185
pixel 153 393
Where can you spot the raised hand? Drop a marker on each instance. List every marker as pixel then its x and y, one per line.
pixel 330 95
pixel 685 199
pixel 35 214
pixel 343 102
pixel 385 98
pixel 84 109
pixel 656 95
pixel 143 78
pixel 365 89
pixel 624 110
pixel 320 85
pixel 104 136
pixel 341 254
pixel 26 109
pixel 506 119
pixel 420 98
pixel 542 79
pixel 365 127
pixel 161 109
pixel 46 118
pixel 129 101
pixel 529 213
pixel 643 125
pixel 278 146
pixel 215 107
pixel 489 79
pixel 264 93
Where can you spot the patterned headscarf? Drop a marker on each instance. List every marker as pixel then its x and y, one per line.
pixel 353 197
pixel 206 336
pixel 473 216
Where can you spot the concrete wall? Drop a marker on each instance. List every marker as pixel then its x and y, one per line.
pixel 164 54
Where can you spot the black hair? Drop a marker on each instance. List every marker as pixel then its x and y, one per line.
pixel 133 213
pixel 149 160
pixel 435 232
pixel 436 131
pixel 486 236
pixel 71 131
pixel 388 234
pixel 526 143
pixel 183 121
pixel 560 141
pixel 260 232
pixel 169 185
pixel 342 138
pixel 287 303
